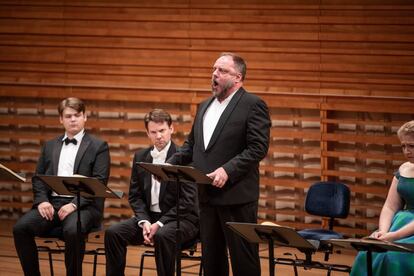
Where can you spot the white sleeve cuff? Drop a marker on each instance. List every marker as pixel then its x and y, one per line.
pixel 141 222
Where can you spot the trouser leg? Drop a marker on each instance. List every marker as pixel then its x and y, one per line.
pixel 165 245
pixel 24 232
pixel 117 238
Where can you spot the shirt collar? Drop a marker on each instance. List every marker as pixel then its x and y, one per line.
pixel 78 136
pixel 226 100
pixel 165 149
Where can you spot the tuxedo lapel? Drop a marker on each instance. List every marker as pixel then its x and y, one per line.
pixel 86 140
pixel 147 178
pixel 56 154
pixel 223 118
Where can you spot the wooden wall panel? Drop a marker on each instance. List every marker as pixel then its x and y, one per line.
pixel 337 76
pixel 313 138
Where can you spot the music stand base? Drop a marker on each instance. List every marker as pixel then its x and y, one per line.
pixel 313 264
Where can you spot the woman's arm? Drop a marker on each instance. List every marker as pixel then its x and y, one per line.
pixel 392 204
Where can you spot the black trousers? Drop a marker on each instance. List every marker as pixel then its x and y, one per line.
pixel 119 236
pixel 216 237
pixel 32 224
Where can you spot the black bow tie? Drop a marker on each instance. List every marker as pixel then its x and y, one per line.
pixel 67 141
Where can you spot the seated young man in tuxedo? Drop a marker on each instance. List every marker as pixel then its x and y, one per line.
pixel 74 152
pixel 154 205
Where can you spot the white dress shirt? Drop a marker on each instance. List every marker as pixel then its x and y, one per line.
pixel 158 157
pixel 67 157
pixel 212 116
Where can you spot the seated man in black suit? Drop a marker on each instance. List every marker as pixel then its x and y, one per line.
pixel 154 205
pixel 75 152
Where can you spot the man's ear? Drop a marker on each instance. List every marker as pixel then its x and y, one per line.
pixel 238 77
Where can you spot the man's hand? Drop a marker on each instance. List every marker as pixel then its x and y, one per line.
pixel 146 230
pixel 149 230
pixel 219 177
pixel 154 229
pixel 46 210
pixel 66 210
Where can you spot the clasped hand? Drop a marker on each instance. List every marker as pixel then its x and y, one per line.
pixel 47 211
pixel 385 236
pixel 148 232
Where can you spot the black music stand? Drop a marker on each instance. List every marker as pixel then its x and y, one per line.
pixel 371 245
pixel 9 175
pixel 78 186
pixel 272 235
pixel 178 174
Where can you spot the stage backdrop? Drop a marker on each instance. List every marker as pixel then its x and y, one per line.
pixel 338 76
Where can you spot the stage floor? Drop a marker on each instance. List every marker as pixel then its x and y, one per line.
pixel 10 265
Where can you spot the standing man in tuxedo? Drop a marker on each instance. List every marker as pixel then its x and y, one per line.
pixel 229 137
pixel 154 205
pixel 75 152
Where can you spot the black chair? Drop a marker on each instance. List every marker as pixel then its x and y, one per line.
pixel 326 199
pixel 330 200
pixel 55 235
pixel 187 253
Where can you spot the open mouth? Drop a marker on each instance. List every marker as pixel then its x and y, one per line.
pixel 214 83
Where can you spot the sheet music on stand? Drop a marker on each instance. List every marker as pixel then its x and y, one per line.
pixel 281 235
pixel 92 186
pixel 169 172
pixel 272 235
pixel 8 174
pixel 373 244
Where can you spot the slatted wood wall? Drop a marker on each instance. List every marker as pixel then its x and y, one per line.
pixel 337 75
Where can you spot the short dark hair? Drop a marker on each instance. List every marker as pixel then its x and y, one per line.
pixel 158 116
pixel 406 129
pixel 71 102
pixel 239 63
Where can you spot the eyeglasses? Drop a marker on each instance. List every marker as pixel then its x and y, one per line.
pixel 223 71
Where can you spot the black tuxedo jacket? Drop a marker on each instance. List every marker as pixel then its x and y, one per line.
pixel 140 193
pixel 238 143
pixel 92 160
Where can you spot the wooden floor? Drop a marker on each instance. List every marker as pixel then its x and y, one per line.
pixel 9 263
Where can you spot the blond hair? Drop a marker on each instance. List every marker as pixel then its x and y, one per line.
pixel 406 129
